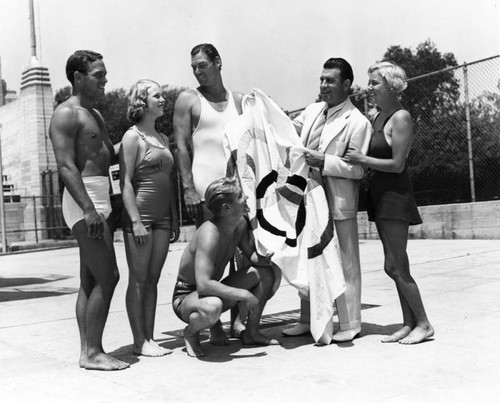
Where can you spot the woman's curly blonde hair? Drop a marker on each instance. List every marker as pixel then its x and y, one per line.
pixel 137 99
pixel 393 74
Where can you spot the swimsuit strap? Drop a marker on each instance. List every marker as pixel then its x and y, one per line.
pixel 143 137
pixel 390 116
pixel 374 118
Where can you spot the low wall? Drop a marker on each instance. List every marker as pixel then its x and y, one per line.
pixel 480 220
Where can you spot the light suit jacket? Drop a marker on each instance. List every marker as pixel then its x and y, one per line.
pixel 349 127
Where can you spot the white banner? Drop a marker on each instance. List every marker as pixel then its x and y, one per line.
pixel 289 212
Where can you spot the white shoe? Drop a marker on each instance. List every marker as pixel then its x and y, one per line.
pixel 299 329
pixel 346 335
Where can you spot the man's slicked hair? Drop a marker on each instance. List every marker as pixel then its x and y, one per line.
pixel 208 49
pixel 342 65
pixel 79 61
pixel 221 191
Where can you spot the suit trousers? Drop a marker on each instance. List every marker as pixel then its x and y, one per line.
pixel 349 303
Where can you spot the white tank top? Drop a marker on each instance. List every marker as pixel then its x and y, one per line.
pixel 209 159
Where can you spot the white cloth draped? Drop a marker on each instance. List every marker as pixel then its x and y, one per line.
pixel 289 212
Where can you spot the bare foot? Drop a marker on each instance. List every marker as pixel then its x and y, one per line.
pixel 346 335
pixel 149 349
pixel 257 339
pixel 396 336
pixel 105 362
pixel 299 329
pixel 418 335
pixel 163 350
pixel 217 335
pixel 192 342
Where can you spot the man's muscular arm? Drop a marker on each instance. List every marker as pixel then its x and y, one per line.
pixel 63 131
pixel 182 134
pixel 247 246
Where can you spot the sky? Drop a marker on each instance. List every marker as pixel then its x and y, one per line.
pixel 278 46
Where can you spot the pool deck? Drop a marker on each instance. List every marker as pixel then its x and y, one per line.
pixel 459 281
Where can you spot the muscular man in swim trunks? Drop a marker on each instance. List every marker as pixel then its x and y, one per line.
pixel 200 296
pixel 200 116
pixel 83 153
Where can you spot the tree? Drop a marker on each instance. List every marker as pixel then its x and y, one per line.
pixel 358 97
pixel 113 107
pixel 485 125
pixel 62 95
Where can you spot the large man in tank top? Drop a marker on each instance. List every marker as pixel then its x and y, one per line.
pixel 200 116
pixel 326 129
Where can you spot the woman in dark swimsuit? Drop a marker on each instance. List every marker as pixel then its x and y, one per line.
pixel 390 197
pixel 150 220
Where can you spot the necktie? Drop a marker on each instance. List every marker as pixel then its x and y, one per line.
pixel 315 133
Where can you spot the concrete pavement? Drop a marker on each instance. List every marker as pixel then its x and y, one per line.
pixel 459 281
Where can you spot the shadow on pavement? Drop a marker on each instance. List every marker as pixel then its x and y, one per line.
pixel 272 326
pixel 22 288
pixel 17 295
pixel 20 281
pixel 369 329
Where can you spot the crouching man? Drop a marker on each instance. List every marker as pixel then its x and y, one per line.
pixel 200 296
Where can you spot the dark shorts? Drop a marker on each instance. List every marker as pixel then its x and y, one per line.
pixel 163 224
pixel 181 291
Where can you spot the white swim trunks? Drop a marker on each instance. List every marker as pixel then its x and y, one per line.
pixel 97 188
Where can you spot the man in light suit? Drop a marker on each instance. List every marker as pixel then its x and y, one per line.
pixel 327 129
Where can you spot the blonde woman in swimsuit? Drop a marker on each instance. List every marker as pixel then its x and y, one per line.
pixel 391 203
pixel 150 219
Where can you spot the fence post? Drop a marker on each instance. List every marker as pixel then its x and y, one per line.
pixel 469 135
pixel 2 204
pixel 36 227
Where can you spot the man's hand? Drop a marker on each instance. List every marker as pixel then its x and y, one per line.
pixel 140 232
pixel 193 203
pixel 95 224
pixel 175 231
pixel 314 158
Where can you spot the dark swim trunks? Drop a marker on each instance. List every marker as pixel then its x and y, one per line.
pixel 181 291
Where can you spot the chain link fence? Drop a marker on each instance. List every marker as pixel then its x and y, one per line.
pixel 33 219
